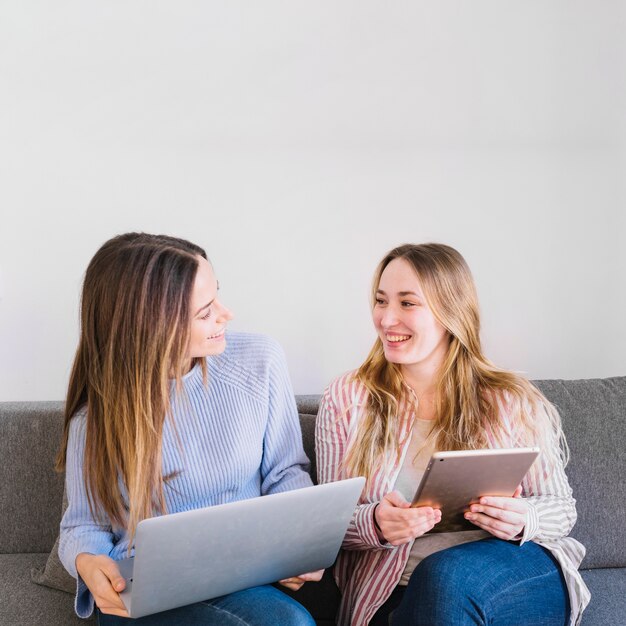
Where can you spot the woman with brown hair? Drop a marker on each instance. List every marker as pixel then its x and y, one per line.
pixel 166 412
pixel 427 386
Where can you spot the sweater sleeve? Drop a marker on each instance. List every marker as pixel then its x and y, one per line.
pixel 330 448
pixel 551 506
pixel 284 465
pixel 79 531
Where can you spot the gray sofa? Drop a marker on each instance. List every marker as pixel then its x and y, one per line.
pixel 594 418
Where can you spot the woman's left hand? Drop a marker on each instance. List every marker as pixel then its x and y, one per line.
pixel 503 517
pixel 295 582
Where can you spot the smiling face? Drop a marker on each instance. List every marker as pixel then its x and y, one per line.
pixel 208 315
pixel 411 335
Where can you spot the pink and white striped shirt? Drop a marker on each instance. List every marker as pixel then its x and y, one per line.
pixel 368 571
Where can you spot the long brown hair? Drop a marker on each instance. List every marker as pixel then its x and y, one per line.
pixel 134 335
pixel 471 392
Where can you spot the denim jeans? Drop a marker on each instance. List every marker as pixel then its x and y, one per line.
pixel 259 606
pixel 492 582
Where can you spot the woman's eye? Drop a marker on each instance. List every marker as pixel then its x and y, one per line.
pixel 206 316
pixel 407 305
pixel 379 301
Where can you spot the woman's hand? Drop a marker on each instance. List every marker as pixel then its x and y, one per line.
pixel 399 522
pixel 295 582
pixel 102 575
pixel 504 518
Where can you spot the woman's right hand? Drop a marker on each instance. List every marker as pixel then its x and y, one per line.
pixel 102 576
pixel 400 523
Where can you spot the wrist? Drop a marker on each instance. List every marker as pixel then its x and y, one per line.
pixel 379 531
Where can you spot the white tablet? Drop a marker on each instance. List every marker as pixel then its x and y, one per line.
pixel 453 480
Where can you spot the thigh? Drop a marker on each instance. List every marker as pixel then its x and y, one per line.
pixel 264 606
pixel 197 614
pixel 486 582
pixel 259 606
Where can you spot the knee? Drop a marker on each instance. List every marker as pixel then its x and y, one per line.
pixel 447 576
pixel 299 616
pixel 441 590
pixel 437 572
pixel 292 613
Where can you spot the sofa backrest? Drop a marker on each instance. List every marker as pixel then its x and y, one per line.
pixel 594 420
pixel 30 489
pixel 593 413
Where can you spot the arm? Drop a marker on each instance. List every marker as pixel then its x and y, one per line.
pixel 551 506
pixel 80 533
pixel 330 446
pixel 284 465
pixel 542 508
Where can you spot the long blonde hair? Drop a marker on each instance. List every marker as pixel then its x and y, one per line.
pixel 134 335
pixel 471 392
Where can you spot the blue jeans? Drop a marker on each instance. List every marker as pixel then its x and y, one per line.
pixel 491 582
pixel 259 606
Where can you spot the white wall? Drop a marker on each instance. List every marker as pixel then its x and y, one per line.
pixel 298 142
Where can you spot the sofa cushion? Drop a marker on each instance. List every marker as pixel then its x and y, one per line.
pixel 25 604
pixel 53 574
pixel 608 600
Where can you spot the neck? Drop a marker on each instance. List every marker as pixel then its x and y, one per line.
pixel 423 388
pixel 422 382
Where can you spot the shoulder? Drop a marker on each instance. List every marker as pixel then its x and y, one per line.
pixel 526 399
pixel 251 348
pixel 77 433
pixel 344 393
pixel 250 362
pixel 521 413
pixel 78 421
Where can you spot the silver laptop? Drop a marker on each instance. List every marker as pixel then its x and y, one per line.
pixel 206 553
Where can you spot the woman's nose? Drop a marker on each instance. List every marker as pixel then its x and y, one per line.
pixel 389 318
pixel 224 313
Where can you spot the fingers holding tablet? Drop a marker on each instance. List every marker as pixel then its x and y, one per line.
pixel 398 523
pixel 503 517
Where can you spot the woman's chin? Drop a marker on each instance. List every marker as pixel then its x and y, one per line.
pixel 394 357
pixel 216 348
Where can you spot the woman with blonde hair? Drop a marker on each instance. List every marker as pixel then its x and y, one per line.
pixel 166 412
pixel 427 386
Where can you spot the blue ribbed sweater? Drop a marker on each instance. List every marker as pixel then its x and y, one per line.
pixel 240 439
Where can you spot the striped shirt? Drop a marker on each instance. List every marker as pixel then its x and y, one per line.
pixel 368 571
pixel 237 437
